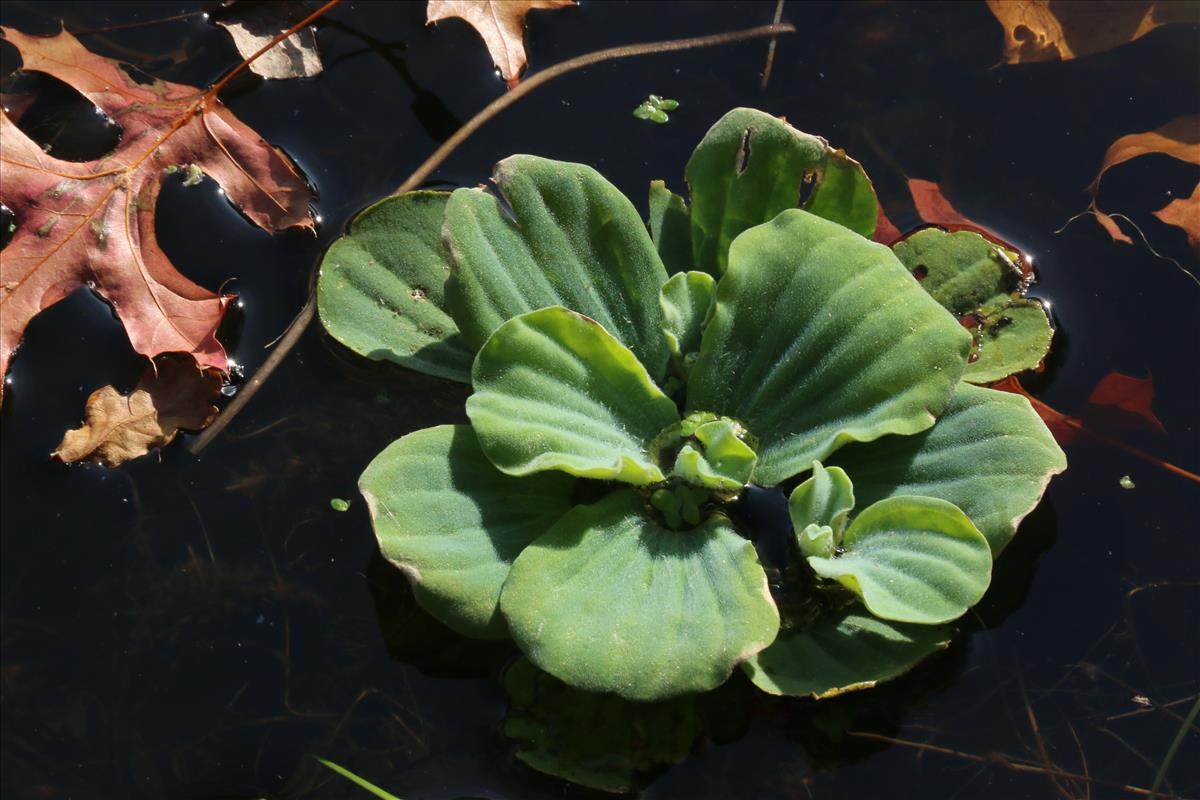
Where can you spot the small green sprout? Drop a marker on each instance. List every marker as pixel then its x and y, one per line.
pixel 655 108
pixel 1127 482
pixel 193 176
pixel 338 504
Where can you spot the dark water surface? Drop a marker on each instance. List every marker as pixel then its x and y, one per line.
pixel 200 628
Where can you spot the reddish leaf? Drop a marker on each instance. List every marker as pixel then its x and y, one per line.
pixel 1118 401
pixel 93 222
pixel 1122 402
pixel 885 231
pixel 933 207
pixel 501 23
pixel 173 394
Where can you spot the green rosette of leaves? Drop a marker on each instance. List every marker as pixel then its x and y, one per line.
pixel 631 379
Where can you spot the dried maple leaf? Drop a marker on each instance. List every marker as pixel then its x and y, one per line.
pixel 173 394
pixel 501 23
pixel 1054 30
pixel 92 223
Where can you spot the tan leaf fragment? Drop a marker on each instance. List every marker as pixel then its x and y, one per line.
pixel 501 23
pixel 174 394
pixel 1184 212
pixel 1061 30
pixel 252 26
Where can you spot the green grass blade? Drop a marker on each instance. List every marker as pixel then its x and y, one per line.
pixel 1174 748
pixel 350 776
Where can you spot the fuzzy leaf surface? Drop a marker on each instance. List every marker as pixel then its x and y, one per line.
pixel 555 391
pixel 571 239
pixel 843 653
pixel 382 288
pixel 819 338
pixel 453 523
pixel 750 166
pixel 610 601
pixel 912 559
pixel 989 454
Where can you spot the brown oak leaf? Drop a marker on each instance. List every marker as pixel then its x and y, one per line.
pixel 92 223
pixel 1060 30
pixel 173 394
pixel 501 23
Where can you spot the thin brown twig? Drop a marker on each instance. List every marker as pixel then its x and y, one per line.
pixel 305 317
pixel 771 48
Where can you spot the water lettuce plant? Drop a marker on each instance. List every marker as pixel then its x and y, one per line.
pixel 637 384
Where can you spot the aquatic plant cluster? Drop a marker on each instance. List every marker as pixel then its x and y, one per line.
pixel 632 381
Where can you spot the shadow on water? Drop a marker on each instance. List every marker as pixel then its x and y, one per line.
pixel 201 628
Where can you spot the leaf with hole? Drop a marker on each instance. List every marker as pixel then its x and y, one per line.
pixel 983 284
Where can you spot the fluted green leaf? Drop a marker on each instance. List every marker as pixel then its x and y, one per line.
pixel 686 300
pixel 912 559
pixel 845 652
pixel 750 166
pixel 989 454
pixel 818 338
pixel 670 228
pixel 567 238
pixel 596 740
pixel 611 601
pixel 454 523
pixel 980 281
pixel 380 290
pixel 554 390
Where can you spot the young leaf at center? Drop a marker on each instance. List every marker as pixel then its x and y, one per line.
pixel 912 559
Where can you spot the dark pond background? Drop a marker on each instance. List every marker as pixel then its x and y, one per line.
pixel 202 627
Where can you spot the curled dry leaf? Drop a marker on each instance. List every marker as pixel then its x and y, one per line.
pixel 92 222
pixel 173 394
pixel 1054 30
pixel 252 25
pixel 1179 138
pixel 501 23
